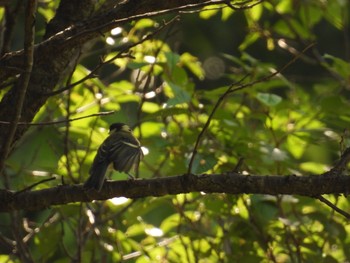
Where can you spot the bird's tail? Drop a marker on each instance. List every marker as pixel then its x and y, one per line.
pixel 97 176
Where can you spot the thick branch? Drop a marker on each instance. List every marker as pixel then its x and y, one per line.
pixel 231 183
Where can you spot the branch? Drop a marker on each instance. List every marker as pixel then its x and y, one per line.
pixel 267 78
pixel 340 166
pixel 207 123
pixel 334 207
pixel 56 52
pixel 230 183
pixel 230 90
pixel 23 83
pixel 121 53
pixel 103 113
pixel 92 27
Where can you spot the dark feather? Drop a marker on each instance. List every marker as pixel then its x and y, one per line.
pixel 120 148
pixel 97 175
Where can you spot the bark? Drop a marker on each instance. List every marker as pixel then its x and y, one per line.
pixel 230 183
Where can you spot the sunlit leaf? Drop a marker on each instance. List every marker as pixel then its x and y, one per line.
pixel 255 12
pixel 312 167
pixel 145 22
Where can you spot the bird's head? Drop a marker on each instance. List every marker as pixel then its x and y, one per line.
pixel 116 127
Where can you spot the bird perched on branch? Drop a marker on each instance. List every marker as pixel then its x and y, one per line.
pixel 120 148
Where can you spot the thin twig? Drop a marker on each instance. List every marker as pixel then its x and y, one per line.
pixel 73 35
pixel 238 165
pixel 243 5
pixel 67 127
pixel 266 78
pixel 206 125
pixel 104 113
pixel 35 184
pixel 334 207
pixel 231 90
pixel 23 82
pixel 340 166
pixel 111 24
pixel 119 55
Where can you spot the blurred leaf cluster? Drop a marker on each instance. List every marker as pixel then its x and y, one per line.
pixel 166 88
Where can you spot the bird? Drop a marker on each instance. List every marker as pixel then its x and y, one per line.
pixel 120 148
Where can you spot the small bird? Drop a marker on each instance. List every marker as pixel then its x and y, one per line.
pixel 120 148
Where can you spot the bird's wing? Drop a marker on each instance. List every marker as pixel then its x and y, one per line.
pixel 125 152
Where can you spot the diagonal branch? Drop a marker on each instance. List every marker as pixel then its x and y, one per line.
pixel 206 125
pixel 334 207
pixel 120 54
pixel 232 89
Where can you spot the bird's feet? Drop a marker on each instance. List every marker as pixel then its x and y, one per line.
pixel 131 177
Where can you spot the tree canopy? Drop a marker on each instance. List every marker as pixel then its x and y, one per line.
pixel 242 109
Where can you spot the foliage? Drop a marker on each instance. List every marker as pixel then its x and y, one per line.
pixel 166 87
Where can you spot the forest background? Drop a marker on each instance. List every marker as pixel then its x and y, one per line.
pixel 242 109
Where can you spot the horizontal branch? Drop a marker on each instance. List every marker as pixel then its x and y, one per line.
pixel 230 183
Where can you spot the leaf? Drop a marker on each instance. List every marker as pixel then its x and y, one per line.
pixel 269 99
pixel 339 65
pixel 193 64
pixel 255 12
pixel 179 95
pixel 44 148
pixel 313 167
pixel 208 13
pixel 202 163
pixel 143 23
pixel 172 60
pixel 173 111
pixel 137 65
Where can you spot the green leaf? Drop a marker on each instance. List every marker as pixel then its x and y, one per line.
pixel 255 12
pixel 269 99
pixel 208 13
pixel 284 6
pixel 143 23
pixel 203 163
pixel 193 64
pixel 44 147
pixel 172 60
pixel 313 167
pixel 339 65
pixel 179 95
pixel 165 113
pixel 137 65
